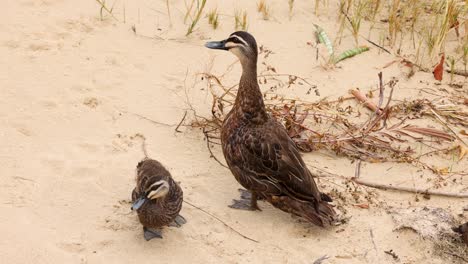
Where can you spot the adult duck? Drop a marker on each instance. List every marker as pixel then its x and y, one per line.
pixel 258 150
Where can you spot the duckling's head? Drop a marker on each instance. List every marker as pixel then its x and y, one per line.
pixel 240 43
pixel 153 190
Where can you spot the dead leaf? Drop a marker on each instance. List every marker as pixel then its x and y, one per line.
pixel 463 132
pixel 456 25
pixel 439 69
pixel 442 171
pixel 363 206
pixel 463 152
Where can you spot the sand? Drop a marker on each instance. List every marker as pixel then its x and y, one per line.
pixel 75 90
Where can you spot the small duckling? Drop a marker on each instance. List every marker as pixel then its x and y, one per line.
pixel 463 231
pixel 157 198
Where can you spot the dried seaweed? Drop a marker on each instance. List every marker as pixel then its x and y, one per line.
pixel 387 134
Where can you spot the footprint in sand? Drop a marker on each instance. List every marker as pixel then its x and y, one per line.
pixel 39 46
pixel 82 89
pixel 122 143
pixel 91 102
pixel 72 247
pixel 90 148
pixel 122 218
pixel 49 105
pixel 57 166
pixel 11 44
pixel 23 129
pixel 78 25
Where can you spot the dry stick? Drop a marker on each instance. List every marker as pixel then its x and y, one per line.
pixel 381 91
pixel 377 45
pixel 424 69
pixel 211 152
pixel 373 121
pixel 368 103
pixel 356 179
pixel 408 189
pixel 458 72
pixel 447 126
pixel 357 171
pixel 221 221
pixel 180 123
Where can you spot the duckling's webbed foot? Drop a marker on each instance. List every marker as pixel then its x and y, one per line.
pixel 178 221
pixel 247 201
pixel 150 234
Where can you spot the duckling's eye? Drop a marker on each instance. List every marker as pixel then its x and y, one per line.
pixel 154 186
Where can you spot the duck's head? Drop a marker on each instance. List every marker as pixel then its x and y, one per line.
pixel 240 43
pixel 153 190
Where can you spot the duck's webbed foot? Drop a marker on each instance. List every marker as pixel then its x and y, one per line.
pixel 178 221
pixel 151 233
pixel 247 201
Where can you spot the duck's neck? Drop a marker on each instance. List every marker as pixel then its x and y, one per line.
pixel 249 101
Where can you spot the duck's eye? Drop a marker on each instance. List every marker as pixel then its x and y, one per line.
pixel 238 40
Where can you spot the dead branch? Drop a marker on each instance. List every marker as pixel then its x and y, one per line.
pixel 207 137
pixel 377 45
pixel 180 123
pixel 458 72
pixel 408 189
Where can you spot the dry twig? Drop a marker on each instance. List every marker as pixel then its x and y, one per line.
pixel 221 221
pixel 408 189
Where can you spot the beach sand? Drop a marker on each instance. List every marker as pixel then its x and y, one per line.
pixel 77 91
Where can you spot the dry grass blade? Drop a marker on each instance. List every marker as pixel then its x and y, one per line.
pixel 429 132
pixel 198 14
pixel 104 7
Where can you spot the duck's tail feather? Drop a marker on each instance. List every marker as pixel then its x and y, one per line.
pixel 320 213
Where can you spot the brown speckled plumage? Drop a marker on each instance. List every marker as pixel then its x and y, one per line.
pixel 259 152
pixel 463 231
pixel 162 211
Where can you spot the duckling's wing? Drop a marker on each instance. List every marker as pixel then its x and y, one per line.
pixel 270 154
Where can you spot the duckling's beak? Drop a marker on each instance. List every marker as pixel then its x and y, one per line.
pixel 216 45
pixel 138 203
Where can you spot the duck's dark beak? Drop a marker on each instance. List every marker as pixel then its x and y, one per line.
pixel 138 203
pixel 216 45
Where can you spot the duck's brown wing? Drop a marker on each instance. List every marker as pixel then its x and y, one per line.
pixel 268 155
